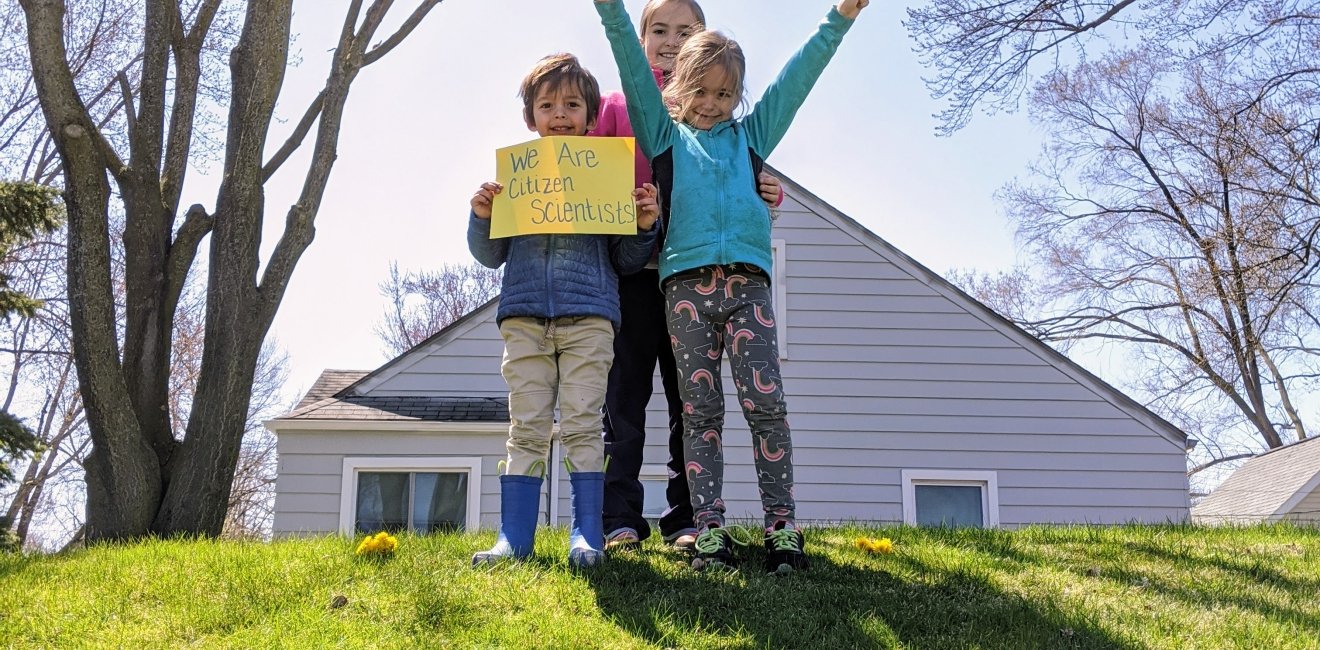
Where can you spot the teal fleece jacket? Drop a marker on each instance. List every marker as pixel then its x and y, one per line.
pixel 715 216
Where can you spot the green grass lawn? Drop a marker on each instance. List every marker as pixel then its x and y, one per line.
pixel 1069 587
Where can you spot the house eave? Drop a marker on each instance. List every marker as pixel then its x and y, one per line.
pixel 278 426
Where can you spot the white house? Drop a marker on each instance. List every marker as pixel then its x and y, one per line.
pixel 1280 485
pixel 909 401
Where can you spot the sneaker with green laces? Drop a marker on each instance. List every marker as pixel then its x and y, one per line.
pixel 715 550
pixel 783 550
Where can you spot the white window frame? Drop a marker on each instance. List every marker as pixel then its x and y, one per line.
pixel 354 465
pixel 988 481
pixel 779 285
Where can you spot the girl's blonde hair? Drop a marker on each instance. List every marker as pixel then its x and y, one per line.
pixel 701 54
pixel 648 12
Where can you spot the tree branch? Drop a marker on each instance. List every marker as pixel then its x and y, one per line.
pixel 397 37
pixel 1204 466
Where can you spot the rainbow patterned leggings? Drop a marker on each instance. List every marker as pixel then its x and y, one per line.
pixel 710 309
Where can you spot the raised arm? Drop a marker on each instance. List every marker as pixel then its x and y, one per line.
pixel 646 108
pixel 771 116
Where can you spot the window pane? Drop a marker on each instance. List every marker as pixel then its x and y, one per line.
pixel 382 501
pixel 949 505
pixel 441 502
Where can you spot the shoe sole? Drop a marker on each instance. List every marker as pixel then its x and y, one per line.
pixel 623 547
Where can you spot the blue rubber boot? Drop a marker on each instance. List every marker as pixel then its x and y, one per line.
pixel 519 500
pixel 586 540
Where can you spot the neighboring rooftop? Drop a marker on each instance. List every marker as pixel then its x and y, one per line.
pixel 1265 486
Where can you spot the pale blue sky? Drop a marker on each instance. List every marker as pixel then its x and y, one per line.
pixel 422 125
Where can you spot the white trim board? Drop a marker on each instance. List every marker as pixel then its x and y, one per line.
pixel 399 426
pixel 779 285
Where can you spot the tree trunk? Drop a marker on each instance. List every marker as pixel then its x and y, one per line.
pixel 202 473
pixel 123 474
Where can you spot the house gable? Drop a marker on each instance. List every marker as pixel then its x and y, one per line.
pixel 924 309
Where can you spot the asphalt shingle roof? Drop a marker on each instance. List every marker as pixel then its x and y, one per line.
pixel 1262 485
pixel 326 400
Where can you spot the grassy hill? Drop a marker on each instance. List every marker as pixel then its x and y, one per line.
pixel 1070 587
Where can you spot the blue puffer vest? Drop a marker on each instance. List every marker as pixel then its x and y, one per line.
pixel 551 276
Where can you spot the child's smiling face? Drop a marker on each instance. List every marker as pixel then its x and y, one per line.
pixel 560 110
pixel 671 24
pixel 713 100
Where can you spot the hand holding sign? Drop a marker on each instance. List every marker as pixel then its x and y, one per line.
pixel 482 199
pixel 648 208
pixel 564 184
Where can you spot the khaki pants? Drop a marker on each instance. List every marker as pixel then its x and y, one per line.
pixel 564 360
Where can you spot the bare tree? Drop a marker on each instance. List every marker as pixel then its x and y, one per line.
pixel 1175 211
pixel 424 302
pixel 141 477
pixel 104 44
pixel 983 53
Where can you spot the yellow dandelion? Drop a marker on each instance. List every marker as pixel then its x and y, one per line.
pixel 883 546
pixel 381 543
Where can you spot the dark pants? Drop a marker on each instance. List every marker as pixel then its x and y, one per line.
pixel 718 309
pixel 641 341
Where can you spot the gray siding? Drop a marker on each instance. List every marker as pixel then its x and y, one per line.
pixel 886 373
pixel 466 364
pixel 307 489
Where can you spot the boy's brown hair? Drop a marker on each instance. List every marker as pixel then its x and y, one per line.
pixel 557 71
pixel 700 54
pixel 653 5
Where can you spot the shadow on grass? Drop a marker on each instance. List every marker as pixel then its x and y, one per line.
pixel 837 604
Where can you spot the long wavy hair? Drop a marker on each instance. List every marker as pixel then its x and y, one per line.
pixel 700 54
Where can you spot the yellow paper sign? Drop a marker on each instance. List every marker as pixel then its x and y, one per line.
pixel 565 184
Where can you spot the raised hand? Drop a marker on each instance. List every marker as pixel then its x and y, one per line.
pixel 648 209
pixel 483 197
pixel 848 8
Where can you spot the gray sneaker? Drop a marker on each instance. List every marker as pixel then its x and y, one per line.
pixel 684 540
pixel 622 539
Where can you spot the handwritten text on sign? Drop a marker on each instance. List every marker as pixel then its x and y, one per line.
pixel 565 184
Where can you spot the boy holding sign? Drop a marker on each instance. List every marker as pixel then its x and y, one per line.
pixel 559 308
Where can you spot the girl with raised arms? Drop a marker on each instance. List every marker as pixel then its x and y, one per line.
pixel 715 263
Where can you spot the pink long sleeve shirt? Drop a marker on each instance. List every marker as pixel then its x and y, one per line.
pixel 613 122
